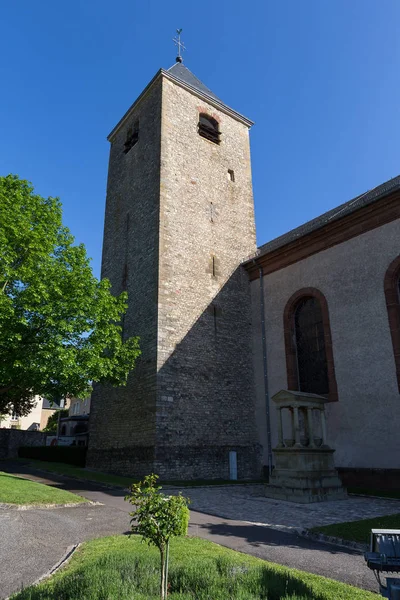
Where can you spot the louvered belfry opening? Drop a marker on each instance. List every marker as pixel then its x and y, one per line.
pixel 208 128
pixel 131 137
pixel 310 346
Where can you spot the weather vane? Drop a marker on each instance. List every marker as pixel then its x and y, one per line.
pixel 181 47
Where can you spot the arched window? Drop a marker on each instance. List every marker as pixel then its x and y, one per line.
pixel 310 347
pixel 308 343
pixel 63 430
pixel 208 128
pixel 392 294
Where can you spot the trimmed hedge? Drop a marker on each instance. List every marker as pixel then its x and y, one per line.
pixel 71 455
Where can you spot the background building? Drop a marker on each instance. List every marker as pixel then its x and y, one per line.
pixel 37 419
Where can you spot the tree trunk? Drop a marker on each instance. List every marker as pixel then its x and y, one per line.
pixel 166 570
pixel 162 587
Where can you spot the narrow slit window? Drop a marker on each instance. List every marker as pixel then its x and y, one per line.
pixel 231 175
pixel 213 266
pixel 125 277
pixel 215 314
pixel 208 128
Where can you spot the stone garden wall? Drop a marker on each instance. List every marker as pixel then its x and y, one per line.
pixel 12 439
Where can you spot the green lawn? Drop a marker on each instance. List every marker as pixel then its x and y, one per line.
pixel 359 531
pixel 15 490
pixel 122 568
pixel 79 472
pixel 374 492
pixel 117 480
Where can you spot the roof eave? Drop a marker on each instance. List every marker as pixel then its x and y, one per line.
pixel 138 99
pixel 260 252
pixel 384 208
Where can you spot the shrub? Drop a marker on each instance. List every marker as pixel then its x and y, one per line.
pixel 72 455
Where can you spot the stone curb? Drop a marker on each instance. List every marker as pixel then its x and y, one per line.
pixel 6 506
pixel 61 563
pixel 332 540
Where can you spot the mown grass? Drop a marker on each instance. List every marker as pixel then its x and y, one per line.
pixel 360 531
pixel 395 494
pixel 122 568
pixel 117 480
pixel 15 490
pixel 79 472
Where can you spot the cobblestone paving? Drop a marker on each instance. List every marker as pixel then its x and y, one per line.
pixel 247 503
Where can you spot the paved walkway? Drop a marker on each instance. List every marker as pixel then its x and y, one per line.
pixel 239 518
pixel 247 503
pixel 33 541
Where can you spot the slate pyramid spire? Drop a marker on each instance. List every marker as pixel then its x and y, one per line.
pixel 181 72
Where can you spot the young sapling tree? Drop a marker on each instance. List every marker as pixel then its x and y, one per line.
pixel 157 518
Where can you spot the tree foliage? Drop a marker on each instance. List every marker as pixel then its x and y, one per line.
pixel 59 326
pixel 158 518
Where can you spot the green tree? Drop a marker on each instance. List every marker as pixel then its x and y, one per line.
pixel 59 326
pixel 158 518
pixel 52 421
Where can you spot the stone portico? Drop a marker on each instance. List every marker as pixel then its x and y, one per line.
pixel 305 470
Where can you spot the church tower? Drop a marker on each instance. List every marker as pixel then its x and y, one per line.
pixel 179 221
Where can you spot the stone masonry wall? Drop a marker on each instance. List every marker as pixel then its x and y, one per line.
pixel 176 231
pixel 12 439
pixel 205 395
pixel 122 420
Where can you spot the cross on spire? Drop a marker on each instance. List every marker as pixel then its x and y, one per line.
pixel 181 47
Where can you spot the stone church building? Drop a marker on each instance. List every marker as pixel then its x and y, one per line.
pixel 223 325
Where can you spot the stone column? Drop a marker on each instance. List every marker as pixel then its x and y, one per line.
pixel 280 429
pixel 292 423
pixel 311 443
pixel 296 432
pixel 323 427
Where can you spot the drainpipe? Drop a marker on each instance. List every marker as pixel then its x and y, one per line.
pixel 264 351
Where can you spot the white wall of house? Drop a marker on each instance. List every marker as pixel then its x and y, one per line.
pixel 364 425
pixel 30 421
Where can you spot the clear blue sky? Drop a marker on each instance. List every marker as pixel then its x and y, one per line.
pixel 320 78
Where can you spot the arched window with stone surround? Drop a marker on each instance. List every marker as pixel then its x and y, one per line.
pixel 308 344
pixel 208 128
pixel 392 295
